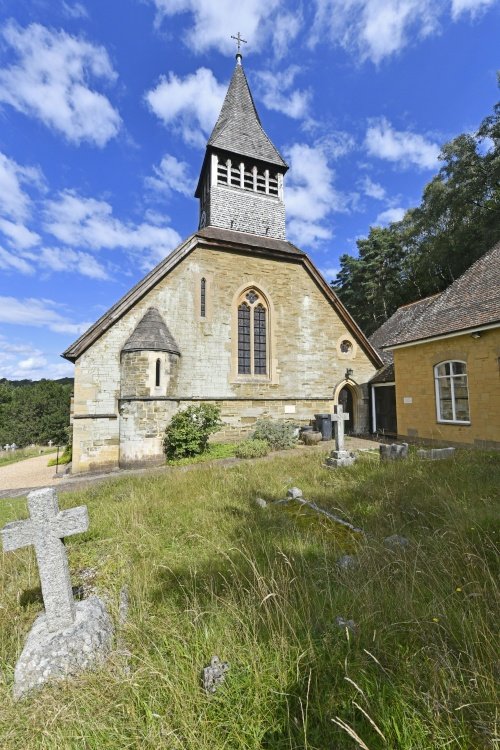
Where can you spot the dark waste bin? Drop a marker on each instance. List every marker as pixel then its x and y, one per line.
pixel 324 425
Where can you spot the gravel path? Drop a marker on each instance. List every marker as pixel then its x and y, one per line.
pixel 32 472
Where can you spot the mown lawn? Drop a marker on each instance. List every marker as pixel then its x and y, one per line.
pixel 209 572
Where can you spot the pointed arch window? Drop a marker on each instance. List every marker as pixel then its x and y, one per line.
pixel 252 334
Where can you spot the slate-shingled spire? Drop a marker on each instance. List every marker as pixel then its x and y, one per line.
pixel 241 180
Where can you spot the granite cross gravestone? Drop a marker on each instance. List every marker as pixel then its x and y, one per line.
pixel 70 636
pixel 45 530
pixel 339 456
pixel 339 417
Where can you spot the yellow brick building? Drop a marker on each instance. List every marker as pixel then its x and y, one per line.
pixel 446 352
pixel 235 316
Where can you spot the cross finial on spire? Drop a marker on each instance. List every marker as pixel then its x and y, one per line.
pixel 238 39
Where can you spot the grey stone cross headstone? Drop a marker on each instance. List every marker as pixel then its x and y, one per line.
pixel 339 417
pixel 45 530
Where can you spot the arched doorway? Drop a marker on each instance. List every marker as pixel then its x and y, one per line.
pixel 347 402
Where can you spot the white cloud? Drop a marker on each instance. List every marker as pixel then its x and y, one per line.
pixel 473 7
pixel 18 235
pixel 285 29
pixel 372 189
pixel 14 201
pixel 275 91
pixel 215 22
pixel 41 313
pixel 74 10
pixel 330 273
pixel 374 29
pixel 11 262
pixel 171 175
pixel 87 222
pixel 32 363
pixel 51 82
pixel 377 29
pixel 25 361
pixel 310 194
pixel 402 147
pixel 390 215
pixel 190 105
pixel 66 260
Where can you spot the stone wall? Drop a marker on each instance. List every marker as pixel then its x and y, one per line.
pixel 304 358
pixel 416 397
pixel 245 211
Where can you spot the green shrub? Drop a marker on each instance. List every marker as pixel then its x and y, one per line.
pixel 64 458
pixel 252 449
pixel 189 430
pixel 279 435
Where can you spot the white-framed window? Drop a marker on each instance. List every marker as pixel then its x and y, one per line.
pixel 452 393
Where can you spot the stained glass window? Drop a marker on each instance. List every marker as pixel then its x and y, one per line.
pixel 259 338
pixel 244 351
pixel 252 334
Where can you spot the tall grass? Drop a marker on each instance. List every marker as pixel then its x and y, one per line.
pixel 209 573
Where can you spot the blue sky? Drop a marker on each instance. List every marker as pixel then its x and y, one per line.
pixel 105 108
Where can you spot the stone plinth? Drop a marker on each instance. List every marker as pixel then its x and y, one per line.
pixel 340 458
pixel 57 655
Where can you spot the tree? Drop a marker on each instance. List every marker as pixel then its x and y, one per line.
pixel 457 221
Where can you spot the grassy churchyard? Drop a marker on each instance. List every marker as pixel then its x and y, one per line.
pixel 21 454
pixel 209 572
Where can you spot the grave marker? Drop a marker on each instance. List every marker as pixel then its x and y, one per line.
pixel 45 530
pixel 338 418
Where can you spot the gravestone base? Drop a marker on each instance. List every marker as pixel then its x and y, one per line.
pixel 57 655
pixel 340 458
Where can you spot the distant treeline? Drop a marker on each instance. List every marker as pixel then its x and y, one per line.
pixel 34 412
pixel 457 221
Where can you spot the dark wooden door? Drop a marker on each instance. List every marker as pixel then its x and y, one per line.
pixel 385 410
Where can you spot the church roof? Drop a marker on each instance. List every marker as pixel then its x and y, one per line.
pixel 222 240
pixel 471 302
pixel 151 334
pixel 239 129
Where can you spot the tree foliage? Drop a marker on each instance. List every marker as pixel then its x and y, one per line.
pixel 457 221
pixel 34 412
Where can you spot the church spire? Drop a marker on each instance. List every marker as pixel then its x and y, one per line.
pixel 241 180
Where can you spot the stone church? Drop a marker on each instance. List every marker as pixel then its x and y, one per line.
pixel 236 316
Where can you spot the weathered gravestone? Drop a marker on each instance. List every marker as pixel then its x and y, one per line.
pixel 436 454
pixel 69 636
pixel 393 452
pixel 339 456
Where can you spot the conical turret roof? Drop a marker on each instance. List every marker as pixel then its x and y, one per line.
pixel 239 129
pixel 152 335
